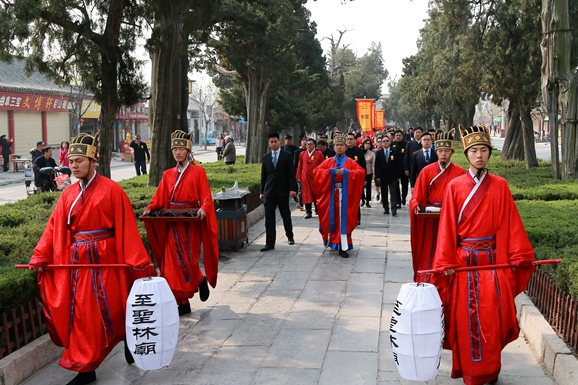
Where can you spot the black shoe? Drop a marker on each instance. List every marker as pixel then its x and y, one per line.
pixel 204 290
pixel 184 308
pixel 83 378
pixel 308 215
pixel 267 248
pixel 291 241
pixel 343 254
pixel 394 212
pixel 128 355
pixel 377 197
pixel 403 201
pixel 386 211
pixel 493 381
pixel 368 205
pixel 362 202
pixel 398 206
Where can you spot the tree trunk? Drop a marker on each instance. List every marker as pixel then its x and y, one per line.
pixel 528 137
pixel 257 93
pixel 558 83
pixel 167 111
pixel 514 143
pixel 109 60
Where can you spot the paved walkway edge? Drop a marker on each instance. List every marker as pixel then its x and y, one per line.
pixel 546 345
pixel 21 364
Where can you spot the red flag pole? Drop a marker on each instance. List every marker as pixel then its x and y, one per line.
pixel 488 267
pixel 84 265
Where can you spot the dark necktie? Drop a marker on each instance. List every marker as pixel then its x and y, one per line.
pixel 275 159
pixel 427 156
pixel 387 156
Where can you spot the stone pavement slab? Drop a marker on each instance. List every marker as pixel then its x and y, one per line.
pixel 300 314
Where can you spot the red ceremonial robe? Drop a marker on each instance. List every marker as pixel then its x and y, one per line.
pixel 176 246
pixel 85 308
pixel 479 305
pixel 305 173
pixel 336 219
pixel 429 190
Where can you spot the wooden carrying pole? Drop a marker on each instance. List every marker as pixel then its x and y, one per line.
pixel 488 267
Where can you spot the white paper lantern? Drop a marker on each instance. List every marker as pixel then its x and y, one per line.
pixel 417 331
pixel 152 323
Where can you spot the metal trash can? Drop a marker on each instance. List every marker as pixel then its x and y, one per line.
pixel 231 217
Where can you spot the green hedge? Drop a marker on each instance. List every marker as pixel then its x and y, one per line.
pixel 22 224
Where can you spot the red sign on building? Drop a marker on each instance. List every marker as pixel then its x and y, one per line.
pixel 31 102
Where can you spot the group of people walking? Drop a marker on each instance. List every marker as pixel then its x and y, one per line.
pixel 479 225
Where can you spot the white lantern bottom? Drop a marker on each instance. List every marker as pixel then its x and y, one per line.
pixel 417 331
pixel 152 323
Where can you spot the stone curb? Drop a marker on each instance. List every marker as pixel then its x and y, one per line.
pixel 21 364
pixel 546 345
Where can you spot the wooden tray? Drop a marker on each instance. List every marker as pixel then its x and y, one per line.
pixel 423 214
pixel 178 215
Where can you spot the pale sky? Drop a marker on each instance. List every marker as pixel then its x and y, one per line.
pixel 394 23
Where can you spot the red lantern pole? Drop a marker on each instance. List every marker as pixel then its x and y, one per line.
pixel 488 267
pixel 85 265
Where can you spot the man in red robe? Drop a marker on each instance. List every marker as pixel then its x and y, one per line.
pixel 429 191
pixel 176 245
pixel 480 226
pixel 338 186
pixel 92 223
pixel 308 161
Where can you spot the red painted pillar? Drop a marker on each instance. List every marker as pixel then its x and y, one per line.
pixel 44 128
pixel 11 128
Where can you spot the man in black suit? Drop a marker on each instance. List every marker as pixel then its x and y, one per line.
pixel 289 146
pixel 411 147
pixel 296 154
pixel 141 155
pixel 388 171
pixel 422 157
pixel 277 185
pixel 358 155
pixel 400 144
pixel 327 152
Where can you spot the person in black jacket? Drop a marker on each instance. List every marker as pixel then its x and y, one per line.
pixel 6 145
pixel 278 183
pixel 43 181
pixel 388 171
pixel 422 157
pixel 411 147
pixel 289 146
pixel 358 155
pixel 141 155
pixel 326 151
pixel 400 144
pixel 296 154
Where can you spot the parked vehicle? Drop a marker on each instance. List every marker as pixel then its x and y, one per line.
pixel 211 137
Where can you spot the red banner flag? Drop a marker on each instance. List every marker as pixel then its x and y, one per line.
pixel 365 113
pixel 380 119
